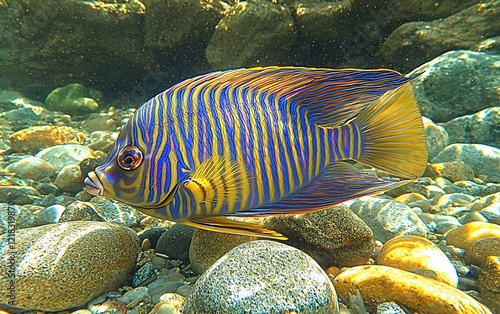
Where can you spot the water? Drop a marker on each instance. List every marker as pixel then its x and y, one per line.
pixel 73 72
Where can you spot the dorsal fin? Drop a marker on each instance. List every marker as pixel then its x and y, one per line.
pixel 330 96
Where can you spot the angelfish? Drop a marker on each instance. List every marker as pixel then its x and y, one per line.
pixel 263 141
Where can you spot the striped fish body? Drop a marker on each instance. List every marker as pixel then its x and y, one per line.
pixel 255 142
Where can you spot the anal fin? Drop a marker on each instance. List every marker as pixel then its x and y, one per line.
pixel 339 182
pixel 222 224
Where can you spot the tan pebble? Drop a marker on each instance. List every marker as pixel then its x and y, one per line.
pixel 489 283
pixel 379 284
pixel 408 198
pixel 479 251
pixel 208 246
pixel 465 236
pixel 82 311
pixel 35 138
pixel 454 171
pixel 170 303
pixel 146 245
pixel 332 270
pixel 411 252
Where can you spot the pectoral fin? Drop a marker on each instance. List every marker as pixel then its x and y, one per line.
pixel 216 181
pixel 222 224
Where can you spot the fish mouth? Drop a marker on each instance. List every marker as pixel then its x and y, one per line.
pixel 93 185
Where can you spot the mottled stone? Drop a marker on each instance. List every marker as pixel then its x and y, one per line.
pixel 14 217
pixel 70 179
pixel 16 194
pixel 52 260
pixel 208 246
pixel 378 284
pixel 436 137
pixel 453 170
pixel 33 139
pixel 479 251
pixel 175 242
pixel 456 84
pixel 142 274
pixel 49 215
pixel 465 236
pixel 139 293
pixel 62 155
pixel 489 283
pixel 483 159
pixel 163 29
pixel 478 128
pixel 453 204
pixel 439 223
pixel 102 209
pixel 32 168
pixel 334 236
pixel 99 122
pixel 412 252
pixel 250 34
pixel 414 43
pixel 264 276
pixel 388 218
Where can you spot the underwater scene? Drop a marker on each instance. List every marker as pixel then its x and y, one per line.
pixel 284 156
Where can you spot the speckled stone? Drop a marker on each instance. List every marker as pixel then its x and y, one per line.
pixel 267 277
pixel 72 99
pixel 208 246
pixel 175 242
pixel 437 138
pixel 142 274
pixel 33 139
pixel 412 252
pixel 379 284
pixel 483 159
pixel 49 215
pixel 31 168
pixel 62 155
pixel 453 170
pixel 14 217
pixel 481 249
pixel 465 236
pixel 388 218
pixel 334 236
pixel 489 282
pixel 69 179
pixel 61 266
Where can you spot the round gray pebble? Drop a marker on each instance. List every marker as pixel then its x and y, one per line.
pixel 266 277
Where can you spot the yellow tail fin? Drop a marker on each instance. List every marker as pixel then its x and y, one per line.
pixel 393 134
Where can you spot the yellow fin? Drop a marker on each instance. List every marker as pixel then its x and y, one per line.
pixel 393 134
pixel 222 224
pixel 218 180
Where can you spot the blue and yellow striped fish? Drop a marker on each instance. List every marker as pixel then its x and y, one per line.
pixel 263 141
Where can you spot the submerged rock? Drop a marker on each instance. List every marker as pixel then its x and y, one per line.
pixel 62 155
pixel 378 284
pixel 388 218
pixel 252 33
pixel 264 276
pixel 31 167
pixel 334 236
pixel 32 140
pixel 478 128
pixel 414 43
pixel 71 99
pixel 209 246
pixel 457 83
pixel 416 253
pixel 489 282
pixel 61 266
pixel 484 160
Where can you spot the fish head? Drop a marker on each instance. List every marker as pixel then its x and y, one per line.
pixel 129 172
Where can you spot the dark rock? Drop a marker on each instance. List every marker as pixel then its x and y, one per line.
pixel 417 42
pixel 250 34
pixel 333 236
pixel 142 274
pixel 152 235
pixel 175 242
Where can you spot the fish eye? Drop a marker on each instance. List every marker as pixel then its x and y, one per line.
pixel 129 158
